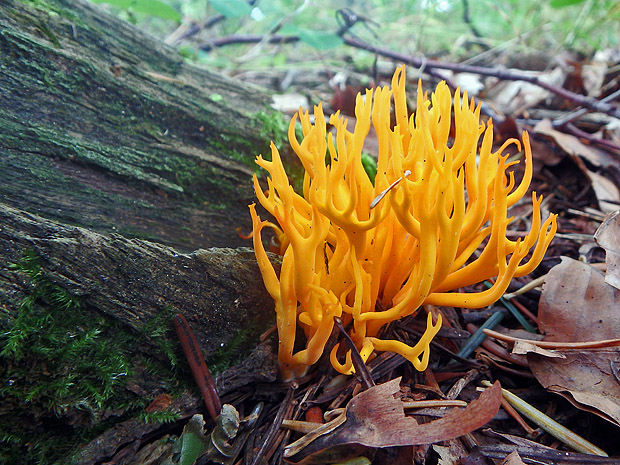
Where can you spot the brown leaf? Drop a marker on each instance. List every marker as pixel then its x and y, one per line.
pixel 344 100
pixel 514 97
pixel 608 237
pixel 524 348
pixel 606 191
pixel 453 452
pixel 573 146
pixel 577 305
pixel 376 419
pixel 584 378
pixel 513 459
pixel 160 403
pixel 594 73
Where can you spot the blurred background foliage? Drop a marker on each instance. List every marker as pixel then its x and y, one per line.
pixel 451 30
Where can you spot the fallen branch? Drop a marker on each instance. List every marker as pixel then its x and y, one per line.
pixel 423 63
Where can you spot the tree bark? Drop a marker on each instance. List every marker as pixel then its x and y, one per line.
pixel 107 136
pixel 118 161
pixel 131 280
pixel 105 127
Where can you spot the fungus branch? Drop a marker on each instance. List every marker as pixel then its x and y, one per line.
pixel 371 254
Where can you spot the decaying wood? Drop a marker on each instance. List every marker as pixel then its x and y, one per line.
pixel 218 290
pixel 106 127
pixel 107 138
pixel 121 166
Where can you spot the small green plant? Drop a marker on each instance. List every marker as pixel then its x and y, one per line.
pixel 56 364
pixel 370 166
pixel 64 371
pixel 274 127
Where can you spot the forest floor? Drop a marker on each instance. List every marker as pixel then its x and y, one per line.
pixel 554 335
pixel 568 104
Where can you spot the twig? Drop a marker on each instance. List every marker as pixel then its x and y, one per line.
pixel 286 408
pixel 474 30
pixel 505 75
pixel 185 31
pixel 572 116
pixel 549 425
pixel 198 366
pixel 555 345
pixel 510 410
pixel 460 384
pixel 360 367
pixel 437 403
pixel 526 311
pixel 485 358
pixel 533 284
pixel 498 73
pixel 498 350
pixel 575 131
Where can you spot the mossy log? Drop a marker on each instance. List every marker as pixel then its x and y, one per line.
pixel 106 127
pixel 132 280
pixel 125 171
pixel 106 130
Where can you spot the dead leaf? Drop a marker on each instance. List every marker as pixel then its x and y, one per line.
pixel 577 305
pixel 452 453
pixel 524 348
pixel 289 103
pixel 608 237
pixel 514 97
pixel 468 82
pixel 344 99
pixel 374 418
pixel 513 459
pixel 584 378
pixel 545 152
pixel 594 73
pixel 573 146
pixel 606 191
pixel 160 403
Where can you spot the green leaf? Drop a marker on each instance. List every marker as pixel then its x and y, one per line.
pixel 320 40
pixel 157 8
pixel 193 440
pixel 563 3
pixel 123 4
pixel 149 7
pixel 370 166
pixel 231 8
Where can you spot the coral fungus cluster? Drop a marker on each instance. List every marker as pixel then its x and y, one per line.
pixel 433 221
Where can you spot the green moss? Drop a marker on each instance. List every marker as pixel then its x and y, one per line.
pixel 155 331
pixel 65 371
pixel 237 147
pixel 274 127
pixel 235 350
